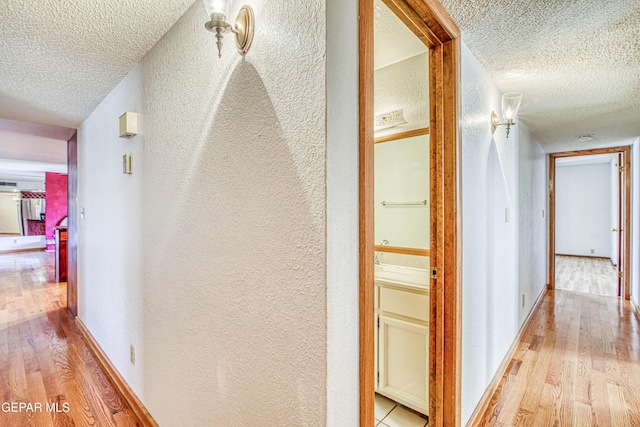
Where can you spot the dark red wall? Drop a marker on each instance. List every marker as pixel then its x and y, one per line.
pixel 56 202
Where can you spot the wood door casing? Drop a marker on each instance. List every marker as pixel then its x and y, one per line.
pixel 433 26
pixel 620 226
pixel 624 236
pixel 72 225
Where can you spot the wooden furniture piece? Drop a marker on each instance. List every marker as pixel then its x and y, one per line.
pixel 61 254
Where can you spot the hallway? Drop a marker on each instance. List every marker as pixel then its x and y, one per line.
pixel 576 365
pixel 44 360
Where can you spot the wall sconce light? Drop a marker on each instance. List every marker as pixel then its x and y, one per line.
pixel 242 28
pixel 510 105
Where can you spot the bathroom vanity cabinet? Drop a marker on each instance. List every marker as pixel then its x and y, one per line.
pixel 402 335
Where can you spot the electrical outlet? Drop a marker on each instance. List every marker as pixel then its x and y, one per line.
pixel 132 354
pixel 506 214
pixel 523 300
pixel 542 213
pixel 593 251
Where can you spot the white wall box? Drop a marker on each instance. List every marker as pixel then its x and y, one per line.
pixel 128 125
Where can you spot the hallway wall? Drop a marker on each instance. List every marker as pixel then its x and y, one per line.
pixel 583 209
pixel 211 257
pixel 110 259
pixel 503 240
pixel 403 85
pixel 635 222
pixel 343 249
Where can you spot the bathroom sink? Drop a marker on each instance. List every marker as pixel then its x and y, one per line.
pixel 396 274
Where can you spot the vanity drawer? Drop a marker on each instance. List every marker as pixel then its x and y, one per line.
pixel 403 303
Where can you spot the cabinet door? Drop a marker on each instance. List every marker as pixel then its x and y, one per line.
pixel 376 377
pixel 403 362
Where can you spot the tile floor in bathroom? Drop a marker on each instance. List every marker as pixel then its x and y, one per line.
pixel 390 414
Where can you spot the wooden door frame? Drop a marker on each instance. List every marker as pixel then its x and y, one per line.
pixel 626 267
pixel 620 226
pixel 431 23
pixel 72 225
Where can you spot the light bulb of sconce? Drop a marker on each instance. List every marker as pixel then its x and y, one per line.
pixel 214 7
pixel 510 105
pixel 242 26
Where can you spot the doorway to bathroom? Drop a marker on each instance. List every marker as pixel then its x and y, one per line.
pixel 409 275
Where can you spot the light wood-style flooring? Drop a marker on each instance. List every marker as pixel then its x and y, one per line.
pixel 578 364
pixel 590 275
pixel 44 361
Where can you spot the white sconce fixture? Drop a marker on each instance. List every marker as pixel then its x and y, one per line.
pixel 510 105
pixel 242 28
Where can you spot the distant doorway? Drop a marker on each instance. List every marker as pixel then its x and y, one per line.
pixel 589 212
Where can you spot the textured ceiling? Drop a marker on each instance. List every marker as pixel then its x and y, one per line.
pixel 393 41
pixel 60 58
pixel 576 62
pixel 33 142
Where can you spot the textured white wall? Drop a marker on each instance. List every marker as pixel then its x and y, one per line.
pixel 583 212
pixel 110 234
pixel 404 85
pixel 497 174
pixel 532 216
pixel 227 301
pixel 635 221
pixel 402 174
pixel 342 214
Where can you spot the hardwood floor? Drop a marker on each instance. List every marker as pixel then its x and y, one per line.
pixel 45 364
pixel 590 275
pixel 578 364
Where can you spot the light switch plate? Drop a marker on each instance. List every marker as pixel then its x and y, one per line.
pixel 132 354
pixel 126 164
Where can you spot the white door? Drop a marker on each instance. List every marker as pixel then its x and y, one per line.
pixel 615 226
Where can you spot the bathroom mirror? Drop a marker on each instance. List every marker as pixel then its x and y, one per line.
pixel 401 187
